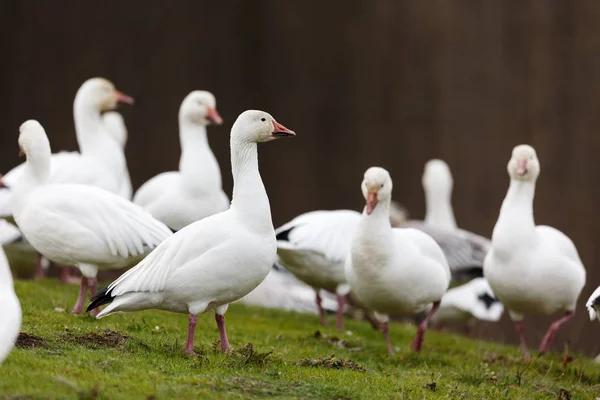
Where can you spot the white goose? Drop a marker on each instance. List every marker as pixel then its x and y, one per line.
pixel 394 270
pixel 215 261
pixel 465 304
pixel 78 225
pixel 314 246
pixel 593 304
pixel 194 192
pixel 532 269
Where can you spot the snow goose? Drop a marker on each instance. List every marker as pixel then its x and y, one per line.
pixel 10 317
pixel 532 269
pixel 465 304
pixel 79 225
pixel 215 261
pixel 194 192
pixel 438 183
pixel 314 246
pixel 393 270
pixel 593 304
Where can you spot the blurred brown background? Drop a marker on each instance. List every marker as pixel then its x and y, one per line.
pixel 389 83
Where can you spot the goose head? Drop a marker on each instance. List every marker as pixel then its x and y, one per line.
pixel 259 126
pixel 376 187
pixel 200 107
pixel 33 140
pixel 437 177
pixel 524 164
pixel 100 94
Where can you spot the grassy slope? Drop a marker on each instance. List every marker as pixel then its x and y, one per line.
pixel 149 362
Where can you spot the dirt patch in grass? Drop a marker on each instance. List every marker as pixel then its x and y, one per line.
pixel 95 340
pixel 332 362
pixel 29 341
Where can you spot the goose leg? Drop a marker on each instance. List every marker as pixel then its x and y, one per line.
pixel 225 347
pixel 340 312
pixel 40 271
pixel 66 277
pixel 189 345
pixel 386 335
pixel 520 328
pixel 320 308
pixel 82 292
pixel 551 334
pixel 418 341
pixel 93 284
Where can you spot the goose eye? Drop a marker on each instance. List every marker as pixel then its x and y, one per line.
pixel 382 185
pixel 263 119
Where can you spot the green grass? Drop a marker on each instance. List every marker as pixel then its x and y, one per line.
pixel 139 356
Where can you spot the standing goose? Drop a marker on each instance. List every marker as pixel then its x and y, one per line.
pixel 393 270
pixel 532 269
pixel 314 246
pixel 215 261
pixel 10 317
pixel 79 225
pixel 194 192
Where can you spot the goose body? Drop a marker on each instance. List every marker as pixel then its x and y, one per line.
pixel 314 246
pixel 531 269
pixel 393 270
pixel 213 262
pixel 10 317
pixel 78 225
pixel 194 192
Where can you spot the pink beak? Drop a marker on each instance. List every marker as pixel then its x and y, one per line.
pixel 521 167
pixel 123 98
pixel 281 131
pixel 371 202
pixel 213 116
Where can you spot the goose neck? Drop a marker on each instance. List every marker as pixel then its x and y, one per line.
pixel 439 209
pixel 516 223
pixel 249 195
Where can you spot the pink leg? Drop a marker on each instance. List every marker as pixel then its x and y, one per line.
pixel 225 347
pixel 321 310
pixel 418 341
pixel 340 312
pixel 82 291
pixel 40 272
pixel 551 334
pixel 93 283
pixel 386 335
pixel 520 328
pixel 189 345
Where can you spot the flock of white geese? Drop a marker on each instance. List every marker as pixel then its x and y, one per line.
pixel 191 250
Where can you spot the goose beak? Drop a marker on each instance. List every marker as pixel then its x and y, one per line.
pixel 281 131
pixel 123 98
pixel 371 202
pixel 213 116
pixel 2 184
pixel 21 152
pixel 521 167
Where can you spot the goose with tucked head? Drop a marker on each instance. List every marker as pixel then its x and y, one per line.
pixel 393 270
pixel 179 198
pixel 215 261
pixel 528 262
pixel 78 225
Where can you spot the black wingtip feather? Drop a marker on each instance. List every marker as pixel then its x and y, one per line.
pixel 101 298
pixel 487 299
pixel 596 301
pixel 284 236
